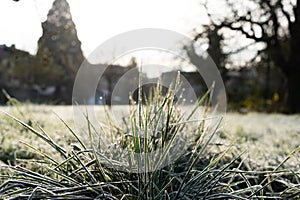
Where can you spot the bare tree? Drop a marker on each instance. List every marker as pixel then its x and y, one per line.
pixel 274 23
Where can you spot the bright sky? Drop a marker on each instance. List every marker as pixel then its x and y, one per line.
pixel 96 20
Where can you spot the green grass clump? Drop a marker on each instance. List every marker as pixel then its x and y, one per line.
pixel 87 172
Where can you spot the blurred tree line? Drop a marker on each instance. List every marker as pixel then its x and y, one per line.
pixel 254 43
pixel 270 28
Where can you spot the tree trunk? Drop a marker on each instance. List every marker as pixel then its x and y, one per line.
pixel 294 76
pixel 294 93
pixel 293 72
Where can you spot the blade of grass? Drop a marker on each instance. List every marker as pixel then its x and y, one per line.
pixel 40 135
pixel 72 132
pixel 39 152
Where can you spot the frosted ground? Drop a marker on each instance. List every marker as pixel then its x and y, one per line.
pixel 266 138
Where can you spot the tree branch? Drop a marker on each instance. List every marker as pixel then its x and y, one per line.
pixel 286 14
pixel 240 29
pixel 241 49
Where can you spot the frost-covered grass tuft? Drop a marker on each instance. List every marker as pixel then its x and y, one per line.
pixel 62 165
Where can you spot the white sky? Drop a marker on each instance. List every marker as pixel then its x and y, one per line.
pixel 97 20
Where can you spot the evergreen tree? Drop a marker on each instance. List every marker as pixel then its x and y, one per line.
pixel 59 53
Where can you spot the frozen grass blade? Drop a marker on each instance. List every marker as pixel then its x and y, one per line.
pixel 39 152
pixel 71 131
pixel 40 135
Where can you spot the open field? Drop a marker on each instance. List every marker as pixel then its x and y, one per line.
pixel 266 138
pixel 266 167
